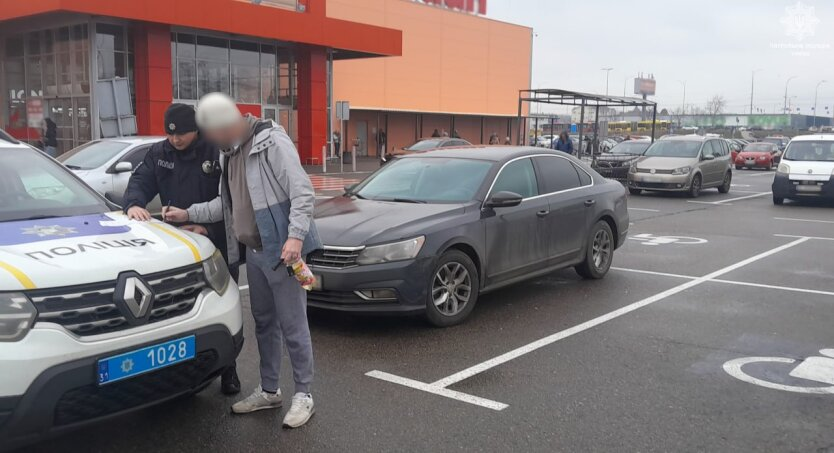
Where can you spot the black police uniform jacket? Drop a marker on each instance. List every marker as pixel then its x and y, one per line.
pixel 181 178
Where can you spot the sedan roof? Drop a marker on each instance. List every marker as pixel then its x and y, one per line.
pixel 493 153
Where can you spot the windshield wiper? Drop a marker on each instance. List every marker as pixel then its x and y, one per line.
pixel 407 200
pixel 39 217
pixel 72 167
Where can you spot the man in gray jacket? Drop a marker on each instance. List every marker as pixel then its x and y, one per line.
pixel 266 200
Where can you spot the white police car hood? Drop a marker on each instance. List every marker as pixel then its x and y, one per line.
pixel 68 251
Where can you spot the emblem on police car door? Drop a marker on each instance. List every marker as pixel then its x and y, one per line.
pixel 137 296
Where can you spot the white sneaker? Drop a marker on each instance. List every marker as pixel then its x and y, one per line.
pixel 257 401
pixel 301 410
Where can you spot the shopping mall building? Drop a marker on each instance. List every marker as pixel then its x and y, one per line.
pixel 103 68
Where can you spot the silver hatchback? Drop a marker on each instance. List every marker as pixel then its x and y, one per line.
pixel 688 163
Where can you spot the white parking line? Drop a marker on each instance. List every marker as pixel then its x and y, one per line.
pixel 729 282
pixel 643 209
pixel 819 238
pixel 803 220
pixel 755 195
pixel 438 387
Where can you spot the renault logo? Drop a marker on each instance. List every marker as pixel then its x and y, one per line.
pixel 135 297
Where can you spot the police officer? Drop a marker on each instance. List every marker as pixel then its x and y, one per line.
pixel 183 170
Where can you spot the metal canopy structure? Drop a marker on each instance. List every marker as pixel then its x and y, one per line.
pixel 582 100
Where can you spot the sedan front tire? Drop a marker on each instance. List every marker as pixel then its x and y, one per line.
pixel 453 289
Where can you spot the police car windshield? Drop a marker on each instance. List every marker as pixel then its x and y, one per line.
pixel 92 155
pixel 33 186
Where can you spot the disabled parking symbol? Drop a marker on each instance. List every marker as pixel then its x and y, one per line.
pixel 818 371
pixel 650 239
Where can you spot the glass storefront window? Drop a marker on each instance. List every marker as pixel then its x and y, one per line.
pixel 245 57
pixel 212 76
pixel 49 70
pixel 210 48
pixel 187 77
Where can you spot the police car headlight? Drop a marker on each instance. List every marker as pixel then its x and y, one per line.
pixel 217 273
pixel 16 316
pixel 397 251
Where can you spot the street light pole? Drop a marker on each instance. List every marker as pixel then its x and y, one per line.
pixel 607 73
pixel 752 86
pixel 816 92
pixel 785 107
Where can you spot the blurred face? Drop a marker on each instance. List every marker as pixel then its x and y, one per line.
pixel 182 141
pixel 227 137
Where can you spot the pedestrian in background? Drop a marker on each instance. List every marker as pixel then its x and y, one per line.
pixel 507 141
pixel 564 143
pixel 436 133
pixel 182 170
pixel 493 139
pixel 50 137
pixel 267 201
pixel 381 141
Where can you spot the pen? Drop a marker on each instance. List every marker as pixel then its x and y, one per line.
pixel 165 211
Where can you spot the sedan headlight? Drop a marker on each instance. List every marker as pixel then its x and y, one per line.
pixel 783 168
pixel 16 316
pixel 217 273
pixel 396 251
pixel 681 171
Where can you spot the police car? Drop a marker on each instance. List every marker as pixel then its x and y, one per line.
pixel 99 315
pixel 806 170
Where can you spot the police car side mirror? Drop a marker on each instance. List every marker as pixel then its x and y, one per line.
pixel 123 167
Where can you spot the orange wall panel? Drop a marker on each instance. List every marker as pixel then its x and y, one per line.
pixel 451 61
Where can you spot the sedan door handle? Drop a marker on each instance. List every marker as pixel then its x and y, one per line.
pixel 589 203
pixel 543 213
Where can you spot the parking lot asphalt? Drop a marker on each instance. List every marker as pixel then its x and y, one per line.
pixel 645 360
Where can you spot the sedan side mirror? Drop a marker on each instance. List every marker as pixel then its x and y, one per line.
pixel 504 199
pixel 123 167
pixel 349 189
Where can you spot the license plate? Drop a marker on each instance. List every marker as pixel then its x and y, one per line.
pixel 318 285
pixel 808 188
pixel 147 359
pixel 651 179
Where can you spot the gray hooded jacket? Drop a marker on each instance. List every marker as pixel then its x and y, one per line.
pixel 282 197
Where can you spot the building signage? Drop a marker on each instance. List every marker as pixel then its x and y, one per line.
pixel 469 6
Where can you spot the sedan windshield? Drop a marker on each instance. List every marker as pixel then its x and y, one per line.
pixel 811 151
pixel 32 186
pixel 92 155
pixel 674 148
pixel 634 148
pixel 426 180
pixel 425 145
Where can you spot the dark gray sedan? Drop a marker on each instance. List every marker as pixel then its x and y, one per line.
pixel 430 232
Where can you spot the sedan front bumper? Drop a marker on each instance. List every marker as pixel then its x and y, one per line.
pixel 349 289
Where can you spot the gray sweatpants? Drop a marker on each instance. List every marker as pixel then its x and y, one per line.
pixel 279 306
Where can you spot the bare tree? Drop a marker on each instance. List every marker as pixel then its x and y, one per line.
pixel 715 106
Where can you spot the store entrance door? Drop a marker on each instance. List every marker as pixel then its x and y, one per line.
pixel 72 117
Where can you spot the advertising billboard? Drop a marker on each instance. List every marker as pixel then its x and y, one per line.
pixel 645 86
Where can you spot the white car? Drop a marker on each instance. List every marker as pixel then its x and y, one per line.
pixel 106 165
pixel 99 314
pixel 806 169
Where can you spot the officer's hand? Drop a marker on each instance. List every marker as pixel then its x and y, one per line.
pixel 138 213
pixel 199 229
pixel 292 250
pixel 175 214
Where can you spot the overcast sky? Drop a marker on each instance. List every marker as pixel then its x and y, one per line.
pixel 712 45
